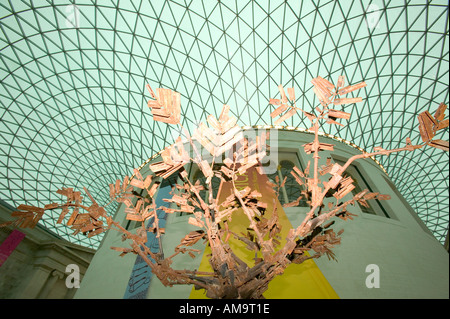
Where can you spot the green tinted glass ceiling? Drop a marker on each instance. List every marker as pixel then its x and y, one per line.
pixel 73 73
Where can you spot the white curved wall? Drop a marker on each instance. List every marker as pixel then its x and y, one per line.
pixel 411 262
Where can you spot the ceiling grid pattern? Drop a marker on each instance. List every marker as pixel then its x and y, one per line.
pixel 73 73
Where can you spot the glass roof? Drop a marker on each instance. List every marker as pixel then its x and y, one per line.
pixel 73 103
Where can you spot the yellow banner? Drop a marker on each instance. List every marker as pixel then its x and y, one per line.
pixel 298 281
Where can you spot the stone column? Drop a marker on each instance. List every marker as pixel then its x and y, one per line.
pixel 35 282
pixel 50 283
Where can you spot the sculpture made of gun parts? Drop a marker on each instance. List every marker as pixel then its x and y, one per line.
pixel 232 277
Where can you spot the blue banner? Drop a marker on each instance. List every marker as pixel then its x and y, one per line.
pixel 141 275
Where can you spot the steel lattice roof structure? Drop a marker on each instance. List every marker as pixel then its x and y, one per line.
pixel 73 103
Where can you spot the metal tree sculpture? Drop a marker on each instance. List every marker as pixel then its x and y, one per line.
pixel 231 277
